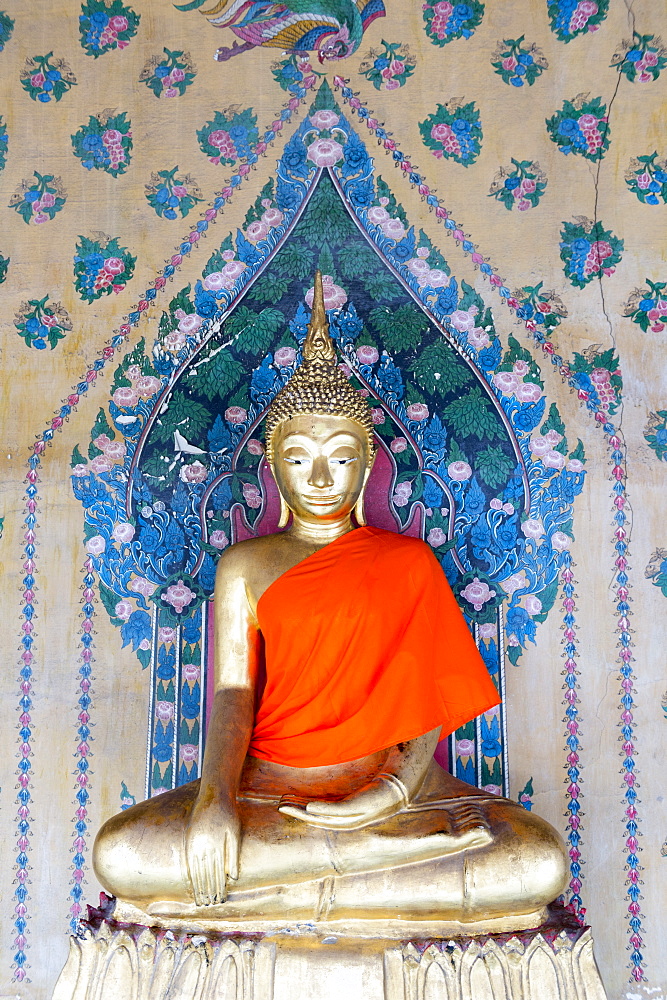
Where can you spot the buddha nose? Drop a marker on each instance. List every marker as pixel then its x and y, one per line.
pixel 320 475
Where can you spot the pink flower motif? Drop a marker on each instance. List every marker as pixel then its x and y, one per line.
pixel 600 376
pixel 434 277
pixel 220 138
pixel 188 752
pixel 227 255
pixel 118 22
pixel 539 446
pixel 444 8
pixel 650 59
pixel 236 415
pixel 533 604
pixel 40 218
pixel 101 464
pixel 377 215
pixel 256 231
pixel 528 185
pixel 487 631
pixel 164 710
pixel 588 121
pixel 174 342
pixel 148 385
pixel 325 152
pixel 79 471
pixel 560 541
pixel 254 446
pixel 523 205
pixel 115 451
pixel 644 180
pixel 215 281
pixel 96 545
pixel 37 79
pixel 496 504
pixel 123 531
pixel 190 323
pixel 517 581
pixel 166 635
pixel 477 593
pixel 232 270
pixel 347 371
pixel 397 66
pixel 125 397
pixel 417 411
pixel 459 471
pixel 252 495
pixel 367 355
pixel 417 265
pixel 272 217
pixel 398 445
pixel 111 137
pixel 533 528
pixel 574 465
pixel 402 494
pixel 436 537
pixel 177 75
pixel 645 77
pixel 178 190
pixel 465 748
pixel 47 200
pixel 218 539
pixel 507 382
pixel 393 229
pixel 145 644
pixel 553 437
pixel 508 508
pixel 440 132
pixel 528 392
pixel 284 357
pixel 49 320
pixel 133 373
pixel 478 338
pixel 123 610
pixel 140 585
pixel 102 441
pixel 334 296
pixel 114 265
pixel 191 672
pixel 377 415
pixel 324 119
pixel 193 473
pixel 391 84
pixel 553 460
pixel 179 596
pixel 462 320
pixel 495 789
pixel 509 63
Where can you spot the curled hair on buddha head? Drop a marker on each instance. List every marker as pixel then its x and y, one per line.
pixel 318 386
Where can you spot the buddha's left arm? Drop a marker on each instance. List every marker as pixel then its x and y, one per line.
pixel 388 792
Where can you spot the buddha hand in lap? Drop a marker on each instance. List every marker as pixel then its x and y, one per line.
pixel 341 656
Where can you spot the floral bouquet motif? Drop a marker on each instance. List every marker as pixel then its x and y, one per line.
pixel 324 139
pixel 453 131
pixel 648 306
pixel 230 136
pixel 517 63
pixel 588 251
pixel 43 79
pixel 655 435
pixel 168 193
pixel 4 144
pixel 169 75
pixel 388 68
pixel 106 26
pixel 295 74
pixel 522 186
pixel 570 18
pixel 581 126
pixel 444 21
pixel 539 308
pixel 646 177
pixel 40 323
pixel 101 266
pixel 6 29
pixel 40 199
pixel 597 374
pixel 4 265
pixel 104 143
pixel 642 59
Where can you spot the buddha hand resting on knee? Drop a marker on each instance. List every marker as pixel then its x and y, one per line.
pixel 340 658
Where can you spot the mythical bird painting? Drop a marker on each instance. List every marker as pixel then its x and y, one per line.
pixel 332 28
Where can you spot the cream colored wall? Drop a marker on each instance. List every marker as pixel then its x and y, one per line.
pixel 524 247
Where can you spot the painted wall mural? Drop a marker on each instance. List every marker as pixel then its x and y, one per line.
pixel 498 304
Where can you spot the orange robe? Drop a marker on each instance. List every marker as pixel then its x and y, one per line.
pixel 365 647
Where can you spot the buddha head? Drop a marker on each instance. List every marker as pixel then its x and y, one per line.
pixel 319 432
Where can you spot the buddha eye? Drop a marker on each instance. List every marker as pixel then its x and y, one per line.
pixel 342 461
pixel 295 461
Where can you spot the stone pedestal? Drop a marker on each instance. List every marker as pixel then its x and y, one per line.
pixel 114 958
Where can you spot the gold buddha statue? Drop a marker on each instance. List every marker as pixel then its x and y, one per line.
pixel 340 659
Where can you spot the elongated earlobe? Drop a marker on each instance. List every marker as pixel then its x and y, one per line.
pixel 359 514
pixel 284 512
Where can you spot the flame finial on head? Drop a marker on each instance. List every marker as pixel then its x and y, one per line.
pixel 318 386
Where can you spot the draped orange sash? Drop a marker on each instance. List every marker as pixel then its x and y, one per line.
pixel 365 647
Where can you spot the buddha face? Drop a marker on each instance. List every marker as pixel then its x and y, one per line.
pixel 320 464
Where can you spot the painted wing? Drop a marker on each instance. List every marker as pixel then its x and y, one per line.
pixel 369 10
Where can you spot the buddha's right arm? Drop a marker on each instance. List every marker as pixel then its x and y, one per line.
pixel 213 831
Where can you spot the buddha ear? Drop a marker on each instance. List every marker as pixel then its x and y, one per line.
pixel 359 514
pixel 284 512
